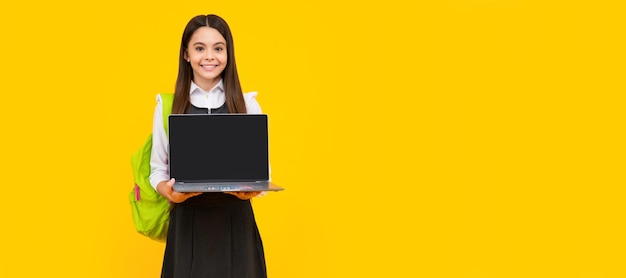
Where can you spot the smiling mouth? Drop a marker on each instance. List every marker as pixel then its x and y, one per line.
pixel 208 67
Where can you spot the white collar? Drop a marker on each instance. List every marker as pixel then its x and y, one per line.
pixel 217 88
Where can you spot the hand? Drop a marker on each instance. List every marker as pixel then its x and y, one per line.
pixel 244 195
pixel 165 188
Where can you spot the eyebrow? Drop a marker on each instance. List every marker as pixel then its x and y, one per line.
pixel 201 43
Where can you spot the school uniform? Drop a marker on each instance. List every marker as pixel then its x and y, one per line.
pixel 212 234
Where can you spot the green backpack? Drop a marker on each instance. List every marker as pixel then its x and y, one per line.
pixel 150 210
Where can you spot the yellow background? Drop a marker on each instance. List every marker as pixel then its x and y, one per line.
pixel 442 138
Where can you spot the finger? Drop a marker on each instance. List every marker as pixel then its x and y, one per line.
pixel 252 194
pixel 248 195
pixel 171 182
pixel 176 194
pixel 191 194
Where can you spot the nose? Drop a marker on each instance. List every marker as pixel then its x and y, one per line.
pixel 209 55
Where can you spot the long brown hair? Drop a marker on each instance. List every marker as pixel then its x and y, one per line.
pixel 230 78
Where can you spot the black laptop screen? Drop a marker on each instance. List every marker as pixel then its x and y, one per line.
pixel 218 147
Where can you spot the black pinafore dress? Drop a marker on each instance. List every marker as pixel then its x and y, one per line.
pixel 213 235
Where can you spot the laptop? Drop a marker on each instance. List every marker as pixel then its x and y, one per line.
pixel 219 152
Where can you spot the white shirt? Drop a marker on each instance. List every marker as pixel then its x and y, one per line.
pixel 214 98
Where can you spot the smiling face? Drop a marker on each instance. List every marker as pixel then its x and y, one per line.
pixel 207 55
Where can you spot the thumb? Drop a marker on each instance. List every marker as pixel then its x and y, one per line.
pixel 170 183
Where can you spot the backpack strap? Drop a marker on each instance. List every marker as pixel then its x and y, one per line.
pixel 167 100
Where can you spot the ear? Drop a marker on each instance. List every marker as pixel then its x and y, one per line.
pixel 185 55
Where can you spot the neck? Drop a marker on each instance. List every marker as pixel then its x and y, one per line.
pixel 207 85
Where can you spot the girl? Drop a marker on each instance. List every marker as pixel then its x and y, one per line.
pixel 210 234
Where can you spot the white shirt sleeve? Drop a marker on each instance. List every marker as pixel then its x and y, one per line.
pixel 159 166
pixel 252 105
